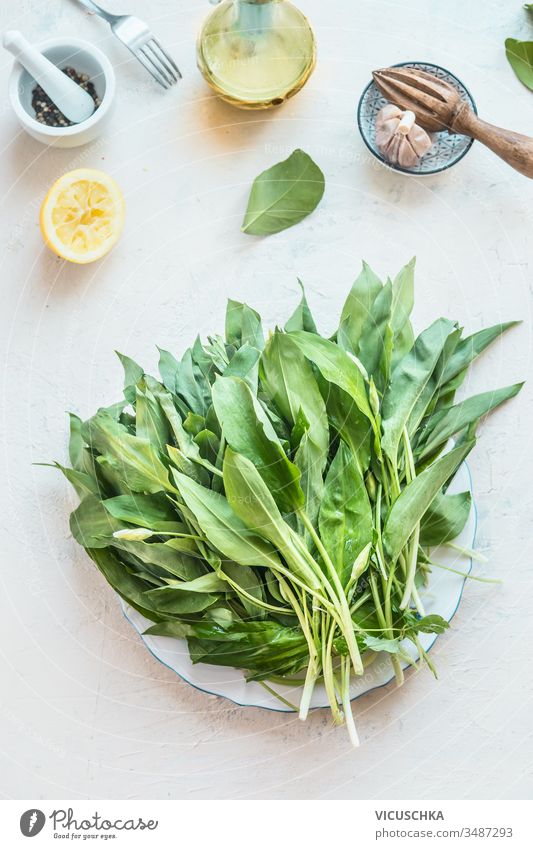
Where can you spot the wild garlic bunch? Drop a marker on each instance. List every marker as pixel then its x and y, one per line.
pixel 272 501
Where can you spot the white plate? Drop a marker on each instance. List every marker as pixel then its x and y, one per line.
pixel 442 596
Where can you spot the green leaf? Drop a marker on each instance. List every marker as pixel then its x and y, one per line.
pixel 357 308
pixel 170 628
pixel 429 395
pixel 168 369
pixel 193 424
pixel 251 500
pixel 335 366
pixel 135 459
pixel 170 600
pixel 376 338
pixel 347 420
pixel 247 429
pixel 132 374
pixel 147 511
pixel 431 624
pixel 150 420
pixel 403 299
pixel 209 444
pixel 445 423
pixel 445 518
pixel 520 56
pixel 245 582
pixel 243 325
pixel 345 519
pixel 187 466
pixel 310 462
pixel 185 379
pixel 267 647
pixel 82 483
pixel 415 499
pixel 468 349
pixel 91 525
pixel 245 364
pixel 408 381
pixel 301 319
pixel 221 525
pixel 131 589
pixel 76 447
pixel 283 195
pixel 378 644
pixel 290 383
pixel 178 564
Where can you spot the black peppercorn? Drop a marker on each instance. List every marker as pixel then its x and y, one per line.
pixel 46 112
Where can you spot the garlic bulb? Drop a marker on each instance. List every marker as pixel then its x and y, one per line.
pixel 399 139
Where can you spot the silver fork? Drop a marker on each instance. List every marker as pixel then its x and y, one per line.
pixel 136 36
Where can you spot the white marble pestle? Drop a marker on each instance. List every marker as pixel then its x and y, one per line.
pixel 76 104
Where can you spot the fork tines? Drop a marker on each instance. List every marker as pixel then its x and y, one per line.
pixel 158 62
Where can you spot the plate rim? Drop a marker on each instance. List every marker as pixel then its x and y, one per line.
pixel 398 168
pixel 314 707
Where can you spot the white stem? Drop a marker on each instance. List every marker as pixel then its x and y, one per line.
pixel 407 122
pixel 309 686
pixel 347 707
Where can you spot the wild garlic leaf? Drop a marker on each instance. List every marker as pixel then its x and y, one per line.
pixel 470 348
pixel 172 601
pixel 290 383
pixel 135 460
pixel 408 381
pixel 431 624
pixel 445 518
pixel 301 319
pixel 428 397
pixel 76 446
pixel 150 420
pixel 520 56
pixel 358 305
pixel 378 644
pixel 82 483
pixel 345 519
pixel 310 461
pixel 247 429
pixel 348 422
pixel 375 346
pixel 153 511
pixel 417 496
pixel 335 366
pixel 243 325
pixel 403 299
pixel 91 525
pixel 251 500
pixel 132 589
pixel 245 364
pixel 244 581
pixel 162 559
pixel 283 195
pixel 265 557
pixel 132 374
pixel 445 423
pixel 223 527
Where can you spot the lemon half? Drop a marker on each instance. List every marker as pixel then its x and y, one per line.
pixel 82 215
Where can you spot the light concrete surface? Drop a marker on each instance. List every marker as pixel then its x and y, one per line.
pixel 86 712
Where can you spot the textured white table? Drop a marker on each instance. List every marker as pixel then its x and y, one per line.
pixel 86 712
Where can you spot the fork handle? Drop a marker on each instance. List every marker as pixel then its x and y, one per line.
pixel 93 7
pixel 513 148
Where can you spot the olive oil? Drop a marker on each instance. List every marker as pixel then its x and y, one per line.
pixel 256 53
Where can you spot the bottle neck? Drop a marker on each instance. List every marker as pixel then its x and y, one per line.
pixel 254 16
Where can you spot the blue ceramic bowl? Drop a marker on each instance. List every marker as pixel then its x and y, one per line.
pixel 448 148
